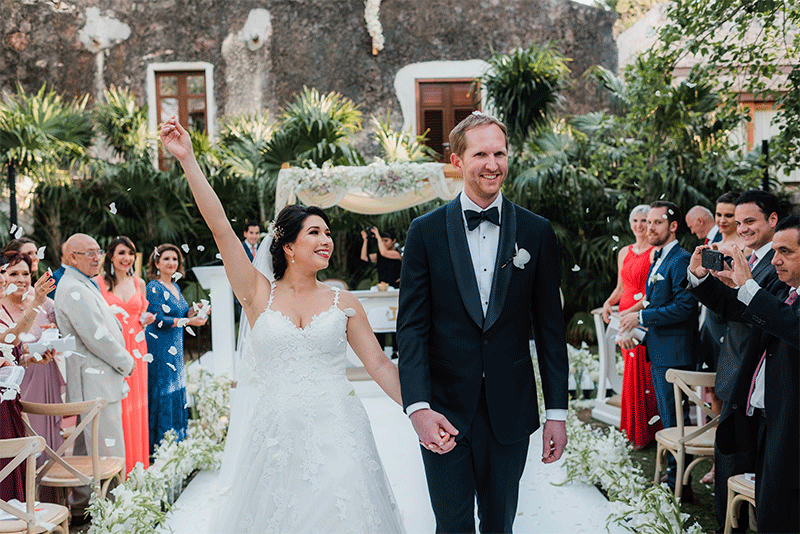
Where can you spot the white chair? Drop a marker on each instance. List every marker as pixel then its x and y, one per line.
pixel 36 518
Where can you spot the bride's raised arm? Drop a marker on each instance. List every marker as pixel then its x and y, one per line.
pixel 245 280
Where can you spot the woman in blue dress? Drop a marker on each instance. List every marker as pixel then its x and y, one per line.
pixel 166 379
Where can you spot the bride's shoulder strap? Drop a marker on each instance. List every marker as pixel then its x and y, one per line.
pixel 335 296
pixel 271 293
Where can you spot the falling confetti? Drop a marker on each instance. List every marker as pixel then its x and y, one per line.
pixel 615 238
pixel 113 208
pixel 92 371
pixel 165 308
pixel 185 248
pixel 137 354
pixel 671 212
pixel 190 331
pixel 171 366
pixel 218 256
pixel 11 288
pixel 653 420
pixel 665 216
pixel 75 295
pixel 183 321
pixel 172 350
pixel 40 253
pixel 575 268
pixel 638 296
pixel 139 337
pixel 13 229
pixel 645 303
pixel 9 394
pixel 580 321
pixel 201 248
pixel 662 196
pixel 9 338
pixel 110 442
pixel 176 276
pixel 147 358
pixel 18 233
pixel 100 332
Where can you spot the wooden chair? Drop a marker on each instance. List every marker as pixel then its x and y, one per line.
pixel 740 489
pixel 682 440
pixel 63 471
pixel 44 517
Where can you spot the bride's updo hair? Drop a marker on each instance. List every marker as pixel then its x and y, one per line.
pixel 286 228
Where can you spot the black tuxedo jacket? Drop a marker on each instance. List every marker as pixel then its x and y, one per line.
pixel 448 348
pixel 739 334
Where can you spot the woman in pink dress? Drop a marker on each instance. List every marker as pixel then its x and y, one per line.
pixel 124 292
pixel 638 398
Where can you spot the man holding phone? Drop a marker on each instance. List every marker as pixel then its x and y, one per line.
pixel 756 216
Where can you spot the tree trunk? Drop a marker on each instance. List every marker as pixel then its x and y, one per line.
pixel 12 193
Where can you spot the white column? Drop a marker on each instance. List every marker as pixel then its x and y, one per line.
pixel 222 326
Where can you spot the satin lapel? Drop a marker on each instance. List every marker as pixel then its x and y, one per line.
pixel 762 265
pixel 462 262
pixel 502 275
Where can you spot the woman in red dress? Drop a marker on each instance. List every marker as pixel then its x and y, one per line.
pixel 638 398
pixel 124 292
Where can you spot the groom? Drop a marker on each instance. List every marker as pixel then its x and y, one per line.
pixel 478 275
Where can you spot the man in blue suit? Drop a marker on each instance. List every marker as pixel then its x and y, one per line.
pixel 251 234
pixel 669 315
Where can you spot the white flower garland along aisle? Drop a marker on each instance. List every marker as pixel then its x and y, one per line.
pixel 143 500
pixel 602 457
pixel 378 178
pixel 371 16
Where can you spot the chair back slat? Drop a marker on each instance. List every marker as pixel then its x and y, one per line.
pixel 22 450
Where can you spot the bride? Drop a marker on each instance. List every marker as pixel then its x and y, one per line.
pixel 300 455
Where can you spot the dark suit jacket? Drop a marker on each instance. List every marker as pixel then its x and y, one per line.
pixel 738 334
pixel 247 250
pixel 447 348
pixel 671 315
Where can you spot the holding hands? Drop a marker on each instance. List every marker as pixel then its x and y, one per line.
pixel 434 430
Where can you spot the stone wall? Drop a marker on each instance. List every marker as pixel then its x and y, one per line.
pixel 265 51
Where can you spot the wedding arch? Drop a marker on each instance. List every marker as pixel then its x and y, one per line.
pixel 369 189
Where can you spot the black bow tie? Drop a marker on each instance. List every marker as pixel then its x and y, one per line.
pixel 656 255
pixel 474 218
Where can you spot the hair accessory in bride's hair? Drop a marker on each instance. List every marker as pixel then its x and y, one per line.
pixel 275 231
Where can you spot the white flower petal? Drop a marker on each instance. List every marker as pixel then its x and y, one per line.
pixel 176 276
pixel 139 337
pixel 110 442
pixel 112 208
pixel 40 252
pixel 100 332
pixel 653 420
pixel 190 331
pixel 147 358
pixel 165 308
pixel 171 366
pixel 11 288
pixel 576 268
pixel 185 248
pixel 172 350
pixel 201 248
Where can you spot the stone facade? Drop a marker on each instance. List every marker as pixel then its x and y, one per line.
pixel 264 51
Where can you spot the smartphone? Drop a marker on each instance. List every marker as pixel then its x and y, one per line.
pixel 712 259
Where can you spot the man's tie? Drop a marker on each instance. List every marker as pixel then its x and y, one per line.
pixel 474 218
pixel 789 300
pixel 752 261
pixel 253 250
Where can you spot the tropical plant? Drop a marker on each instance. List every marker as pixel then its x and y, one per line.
pixel 525 87
pixel 397 145
pixel 123 123
pixel 39 135
pixel 315 128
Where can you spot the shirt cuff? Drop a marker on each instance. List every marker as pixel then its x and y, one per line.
pixel 693 280
pixel 417 406
pixel 748 291
pixel 555 415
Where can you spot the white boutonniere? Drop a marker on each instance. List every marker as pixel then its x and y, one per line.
pixel 521 257
pixel 657 277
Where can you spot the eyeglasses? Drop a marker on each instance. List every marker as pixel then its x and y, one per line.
pixel 90 253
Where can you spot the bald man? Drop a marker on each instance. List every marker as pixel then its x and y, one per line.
pixel 101 364
pixel 700 221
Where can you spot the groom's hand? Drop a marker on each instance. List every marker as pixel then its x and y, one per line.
pixel 434 430
pixel 554 439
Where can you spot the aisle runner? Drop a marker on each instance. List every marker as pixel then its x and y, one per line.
pixel 543 508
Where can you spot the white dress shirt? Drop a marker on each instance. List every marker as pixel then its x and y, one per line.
pixel 483 242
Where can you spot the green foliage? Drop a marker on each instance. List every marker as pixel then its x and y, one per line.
pixel 123 123
pixel 525 87
pixel 755 40
pixel 397 145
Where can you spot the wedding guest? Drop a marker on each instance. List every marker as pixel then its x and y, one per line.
pixel 670 318
pixel 638 396
pixel 251 234
pixel 125 293
pixel 42 383
pixel 11 424
pixel 700 221
pixel 27 247
pixel 58 273
pixel 389 261
pixel 166 384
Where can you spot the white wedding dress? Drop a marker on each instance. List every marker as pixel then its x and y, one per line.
pixel 300 456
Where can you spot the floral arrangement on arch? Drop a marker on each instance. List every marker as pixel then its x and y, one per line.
pixel 378 178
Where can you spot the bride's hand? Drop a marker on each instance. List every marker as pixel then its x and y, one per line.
pixel 176 139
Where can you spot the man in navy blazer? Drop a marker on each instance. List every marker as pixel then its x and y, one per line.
pixel 251 234
pixel 670 314
pixel 479 276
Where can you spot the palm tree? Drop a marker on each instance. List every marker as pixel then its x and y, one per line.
pixel 40 132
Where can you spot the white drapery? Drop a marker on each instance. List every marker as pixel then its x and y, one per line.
pixel 370 189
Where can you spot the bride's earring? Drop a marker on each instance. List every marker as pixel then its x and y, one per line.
pixel 158 272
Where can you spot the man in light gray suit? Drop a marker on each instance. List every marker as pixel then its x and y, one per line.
pixel 102 363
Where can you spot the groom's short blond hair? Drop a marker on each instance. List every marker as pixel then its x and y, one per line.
pixel 458 136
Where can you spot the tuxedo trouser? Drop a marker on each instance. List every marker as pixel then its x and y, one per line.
pixel 109 428
pixel 734 454
pixel 478 467
pixel 665 399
